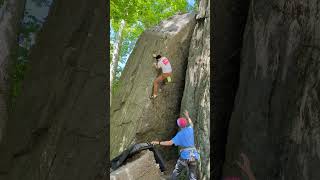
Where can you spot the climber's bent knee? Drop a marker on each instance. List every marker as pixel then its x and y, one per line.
pixel 159 79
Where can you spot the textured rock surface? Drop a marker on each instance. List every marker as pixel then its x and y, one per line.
pixel 196 96
pixel 134 117
pixel 228 27
pixel 276 113
pixel 58 128
pixel 142 168
pixel 11 12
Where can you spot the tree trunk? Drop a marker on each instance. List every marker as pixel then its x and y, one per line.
pixel 116 53
pixel 11 11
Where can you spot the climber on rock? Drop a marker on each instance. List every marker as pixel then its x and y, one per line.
pixel 188 153
pixel 164 64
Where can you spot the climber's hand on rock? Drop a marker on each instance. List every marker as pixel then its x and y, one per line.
pixel 154 142
pixel 155 65
pixel 186 113
pixel 245 166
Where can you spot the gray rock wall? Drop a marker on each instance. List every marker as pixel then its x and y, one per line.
pixel 196 97
pixel 276 113
pixel 134 117
pixel 58 128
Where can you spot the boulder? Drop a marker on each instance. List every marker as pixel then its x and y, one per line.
pixel 134 117
pixel 142 167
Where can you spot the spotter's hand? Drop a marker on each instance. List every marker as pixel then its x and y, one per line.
pixel 155 142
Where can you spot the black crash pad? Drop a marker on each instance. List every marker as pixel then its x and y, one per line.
pixel 134 149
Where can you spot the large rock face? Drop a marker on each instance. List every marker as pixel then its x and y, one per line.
pixel 58 128
pixel 11 12
pixel 134 117
pixel 196 96
pixel 277 108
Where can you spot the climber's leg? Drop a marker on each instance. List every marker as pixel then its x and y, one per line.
pixel 192 170
pixel 157 81
pixel 155 85
pixel 181 164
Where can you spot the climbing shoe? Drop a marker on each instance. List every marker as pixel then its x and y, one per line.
pixel 153 96
pixel 169 79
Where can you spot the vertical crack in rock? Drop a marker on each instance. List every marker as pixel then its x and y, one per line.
pixel 229 23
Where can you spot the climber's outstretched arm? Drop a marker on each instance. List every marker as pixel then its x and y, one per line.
pixel 186 113
pixel 163 143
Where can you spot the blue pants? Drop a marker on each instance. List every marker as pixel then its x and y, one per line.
pixel 181 164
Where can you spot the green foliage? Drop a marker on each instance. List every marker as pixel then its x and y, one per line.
pixel 153 11
pixel 20 56
pixel 1 2
pixel 193 7
pixel 111 51
pixel 18 69
pixel 31 26
pixel 115 85
pixel 147 12
pixel 196 5
pixel 116 80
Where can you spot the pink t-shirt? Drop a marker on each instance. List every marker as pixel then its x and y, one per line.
pixel 165 65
